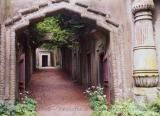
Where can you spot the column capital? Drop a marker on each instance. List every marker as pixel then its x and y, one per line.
pixel 142 5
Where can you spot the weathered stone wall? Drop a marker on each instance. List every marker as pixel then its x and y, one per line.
pixel 5 9
pixel 119 12
pixel 96 64
pixel 16 5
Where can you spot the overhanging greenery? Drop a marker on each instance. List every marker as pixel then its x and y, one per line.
pixel 63 31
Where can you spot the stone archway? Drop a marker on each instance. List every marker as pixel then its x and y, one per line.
pixel 28 16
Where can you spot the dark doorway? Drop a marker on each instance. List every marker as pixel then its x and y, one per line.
pixel 44 60
pixel 81 68
pixel 89 69
pixel 21 76
pixel 101 70
pixel 106 75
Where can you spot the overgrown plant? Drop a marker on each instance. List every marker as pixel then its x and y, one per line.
pixel 129 108
pixel 28 108
pixel 155 106
pixel 123 108
pixel 59 36
pixel 7 110
pixel 96 98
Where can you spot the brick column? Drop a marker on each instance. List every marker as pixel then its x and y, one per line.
pixel 145 69
pixel 13 66
pixel 7 65
pixel 2 62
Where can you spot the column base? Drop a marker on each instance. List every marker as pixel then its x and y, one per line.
pixel 145 95
pixel 1 101
pixel 10 103
pixel 146 81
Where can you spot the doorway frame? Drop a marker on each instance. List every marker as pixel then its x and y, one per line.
pixel 40 59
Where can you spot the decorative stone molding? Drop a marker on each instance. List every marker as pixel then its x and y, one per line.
pixel 58 1
pixel 145 69
pixel 143 16
pixel 142 5
pixel 96 12
pixel 29 10
pixel 146 81
pixel 112 22
pixel 42 5
pixel 81 5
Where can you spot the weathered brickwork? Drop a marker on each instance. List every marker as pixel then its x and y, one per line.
pixel 2 60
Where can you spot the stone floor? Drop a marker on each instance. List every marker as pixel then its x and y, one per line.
pixel 57 95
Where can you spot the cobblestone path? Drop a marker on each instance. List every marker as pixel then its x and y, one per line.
pixel 57 95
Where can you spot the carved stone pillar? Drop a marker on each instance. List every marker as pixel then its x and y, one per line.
pixel 145 70
pixel 5 9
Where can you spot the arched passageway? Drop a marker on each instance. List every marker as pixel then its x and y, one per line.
pixel 84 62
pixel 107 58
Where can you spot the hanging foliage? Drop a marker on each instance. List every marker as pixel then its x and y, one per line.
pixel 64 31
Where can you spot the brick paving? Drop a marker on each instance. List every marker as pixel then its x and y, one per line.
pixel 57 95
